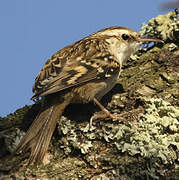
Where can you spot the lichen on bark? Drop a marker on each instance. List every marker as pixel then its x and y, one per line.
pixel 145 144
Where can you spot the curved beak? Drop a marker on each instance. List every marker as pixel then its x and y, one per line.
pixel 145 40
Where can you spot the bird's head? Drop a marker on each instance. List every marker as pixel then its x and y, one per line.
pixel 122 42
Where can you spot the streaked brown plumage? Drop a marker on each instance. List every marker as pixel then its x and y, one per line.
pixel 79 73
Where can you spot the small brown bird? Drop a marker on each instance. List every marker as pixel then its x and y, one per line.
pixel 79 73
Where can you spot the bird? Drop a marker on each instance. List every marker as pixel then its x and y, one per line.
pixel 79 73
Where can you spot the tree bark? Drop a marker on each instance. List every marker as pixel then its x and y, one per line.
pixel 143 145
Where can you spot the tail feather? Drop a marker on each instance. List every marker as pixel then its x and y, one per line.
pixel 39 145
pixel 38 136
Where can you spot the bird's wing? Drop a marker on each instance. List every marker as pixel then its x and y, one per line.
pixel 69 77
pixel 63 71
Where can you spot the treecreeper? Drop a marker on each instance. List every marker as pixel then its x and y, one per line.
pixel 79 73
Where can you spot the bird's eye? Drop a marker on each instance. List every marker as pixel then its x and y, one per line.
pixel 125 37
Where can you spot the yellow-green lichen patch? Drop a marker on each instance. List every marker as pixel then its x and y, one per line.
pixel 155 135
pixel 165 27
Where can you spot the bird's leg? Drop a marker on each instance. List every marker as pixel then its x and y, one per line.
pixel 105 114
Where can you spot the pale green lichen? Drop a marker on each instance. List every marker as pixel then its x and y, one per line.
pixel 154 135
pixel 12 139
pixel 73 138
pixel 165 27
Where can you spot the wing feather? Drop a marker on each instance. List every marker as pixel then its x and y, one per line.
pixel 74 65
pixel 70 79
